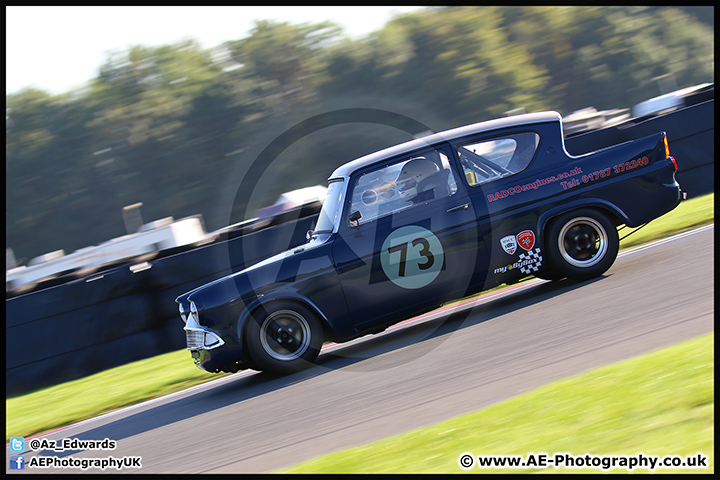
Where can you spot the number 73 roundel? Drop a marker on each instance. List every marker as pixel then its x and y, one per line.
pixel 411 257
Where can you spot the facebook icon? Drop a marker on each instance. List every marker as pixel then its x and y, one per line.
pixel 17 462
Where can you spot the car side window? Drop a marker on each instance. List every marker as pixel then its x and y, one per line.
pixel 412 181
pixel 488 160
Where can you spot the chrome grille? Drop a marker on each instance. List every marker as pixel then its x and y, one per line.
pixel 194 339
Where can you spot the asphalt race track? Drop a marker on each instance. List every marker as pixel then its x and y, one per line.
pixel 420 372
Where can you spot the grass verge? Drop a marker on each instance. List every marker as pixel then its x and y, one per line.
pixel 658 404
pixel 690 214
pixel 70 402
pixel 103 392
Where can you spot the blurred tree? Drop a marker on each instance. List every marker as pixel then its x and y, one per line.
pixel 29 142
pixel 169 125
pixel 177 111
pixel 610 57
pixel 682 46
pixel 351 67
pixel 284 57
pixel 703 14
pixel 455 61
pixel 46 144
pixel 498 74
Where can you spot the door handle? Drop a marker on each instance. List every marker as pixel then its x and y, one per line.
pixel 459 207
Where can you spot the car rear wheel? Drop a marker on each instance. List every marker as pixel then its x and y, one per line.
pixel 582 244
pixel 283 338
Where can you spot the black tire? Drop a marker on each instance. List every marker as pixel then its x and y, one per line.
pixel 582 244
pixel 283 338
pixel 548 273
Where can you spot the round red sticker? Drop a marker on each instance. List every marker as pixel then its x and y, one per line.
pixel 526 239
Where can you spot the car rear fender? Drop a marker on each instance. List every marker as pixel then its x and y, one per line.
pixel 613 211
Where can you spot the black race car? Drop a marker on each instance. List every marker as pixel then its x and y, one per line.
pixel 409 228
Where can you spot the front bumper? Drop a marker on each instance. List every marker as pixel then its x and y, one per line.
pixel 198 337
pixel 207 347
pixel 215 361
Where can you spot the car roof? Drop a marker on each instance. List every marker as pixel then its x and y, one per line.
pixel 525 119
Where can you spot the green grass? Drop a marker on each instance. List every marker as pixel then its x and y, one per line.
pixel 103 392
pixel 690 214
pixel 106 391
pixel 657 404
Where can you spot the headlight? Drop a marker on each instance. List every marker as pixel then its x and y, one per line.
pixel 197 336
pixel 183 312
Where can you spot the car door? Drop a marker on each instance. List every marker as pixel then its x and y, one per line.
pixel 407 240
pixel 507 194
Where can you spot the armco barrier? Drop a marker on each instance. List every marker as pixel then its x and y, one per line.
pixel 115 316
pixel 172 276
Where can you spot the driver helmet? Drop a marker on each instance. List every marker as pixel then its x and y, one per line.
pixel 411 174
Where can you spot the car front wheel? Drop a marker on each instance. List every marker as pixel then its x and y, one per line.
pixel 582 244
pixel 283 338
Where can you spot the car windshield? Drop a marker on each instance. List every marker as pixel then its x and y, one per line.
pixel 331 207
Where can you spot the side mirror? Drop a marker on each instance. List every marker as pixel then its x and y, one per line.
pixel 355 217
pixel 309 234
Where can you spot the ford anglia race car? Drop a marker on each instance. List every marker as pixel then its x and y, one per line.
pixel 406 229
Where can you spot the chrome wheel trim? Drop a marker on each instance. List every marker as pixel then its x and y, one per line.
pixel 583 242
pixel 297 335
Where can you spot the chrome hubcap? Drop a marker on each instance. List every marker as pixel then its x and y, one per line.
pixel 285 335
pixel 583 242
